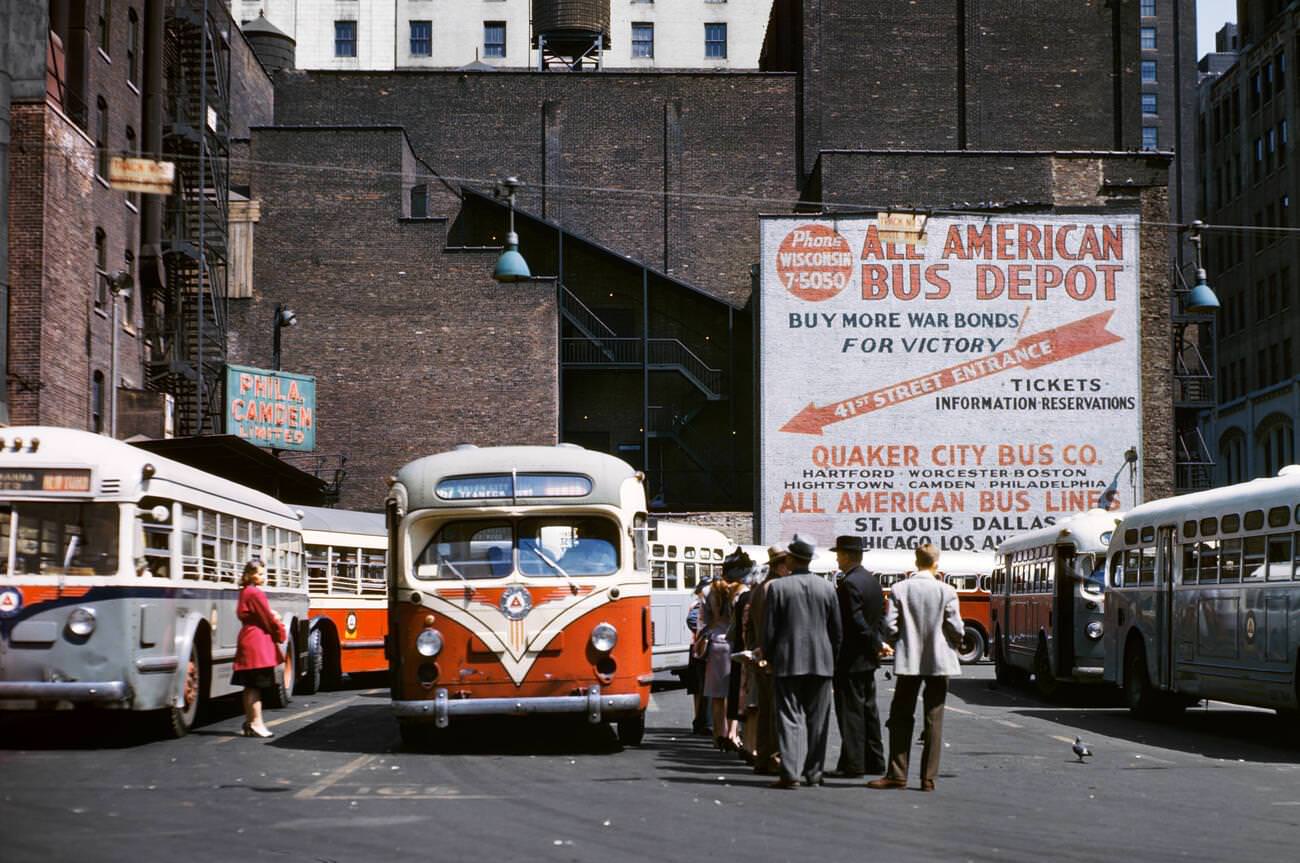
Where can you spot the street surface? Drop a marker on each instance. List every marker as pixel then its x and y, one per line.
pixel 334 785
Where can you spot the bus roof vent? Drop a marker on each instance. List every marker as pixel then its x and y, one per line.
pixel 461 446
pixel 1290 470
pixel 110 486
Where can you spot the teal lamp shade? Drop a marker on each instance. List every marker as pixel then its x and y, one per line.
pixel 511 266
pixel 1201 298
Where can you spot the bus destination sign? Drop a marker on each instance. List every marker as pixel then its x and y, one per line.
pixel 55 480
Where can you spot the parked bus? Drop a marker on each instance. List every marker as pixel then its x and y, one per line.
pixel 519 583
pixel 1049 602
pixel 347 579
pixel 681 556
pixel 968 572
pixel 121 575
pixel 1203 598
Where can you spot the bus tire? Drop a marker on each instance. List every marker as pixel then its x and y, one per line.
pixel 972 646
pixel 331 670
pixel 177 721
pixel 1140 696
pixel 632 730
pixel 282 694
pixel 310 682
pixel 1003 672
pixel 1045 682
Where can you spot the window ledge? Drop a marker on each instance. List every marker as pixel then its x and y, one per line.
pixel 104 54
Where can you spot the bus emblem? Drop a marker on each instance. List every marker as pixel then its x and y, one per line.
pixel 11 602
pixel 1250 627
pixel 516 602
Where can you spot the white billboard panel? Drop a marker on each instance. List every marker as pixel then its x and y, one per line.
pixel 958 385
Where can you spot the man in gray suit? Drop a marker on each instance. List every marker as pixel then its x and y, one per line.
pixel 801 641
pixel 924 624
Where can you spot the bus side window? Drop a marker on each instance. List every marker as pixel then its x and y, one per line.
pixel 640 547
pixel 657 571
pixel 1208 552
pixel 1279 557
pixel 1255 550
pixel 688 573
pixel 1117 569
pixel 153 539
pixel 1190 563
pixel 1230 561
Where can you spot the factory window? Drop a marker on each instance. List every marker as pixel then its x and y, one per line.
pixel 421 38
pixel 100 288
pixel 643 39
pixel 1148 71
pixel 1256 91
pixel 345 38
pixel 1232 455
pixel 1279 69
pixel 128 295
pixel 715 41
pixel 1275 444
pixel 101 138
pixel 1150 103
pixel 420 201
pixel 494 38
pixel 97 402
pixel 132 46
pixel 1148 35
pixel 102 28
pixel 1148 9
pixel 1150 137
pixel 132 151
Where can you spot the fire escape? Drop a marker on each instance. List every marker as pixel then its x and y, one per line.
pixel 1193 340
pixel 188 327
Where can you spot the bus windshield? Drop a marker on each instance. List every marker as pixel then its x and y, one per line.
pixel 1091 571
pixel 59 538
pixel 544 547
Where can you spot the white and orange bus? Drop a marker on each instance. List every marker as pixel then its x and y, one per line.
pixel 519 584
pixel 347 578
pixel 967 571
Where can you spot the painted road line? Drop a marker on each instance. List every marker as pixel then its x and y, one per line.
pixel 1009 724
pixel 337 705
pixel 335 776
pixel 399 792
pixel 1063 738
pixel 959 710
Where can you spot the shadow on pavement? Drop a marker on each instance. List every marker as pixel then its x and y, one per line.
pixel 103 729
pixel 990 693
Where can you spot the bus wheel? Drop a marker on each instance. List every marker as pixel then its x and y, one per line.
pixel 972 646
pixel 1044 680
pixel 177 721
pixel 311 677
pixel 283 692
pixel 1002 670
pixel 1139 694
pixel 630 731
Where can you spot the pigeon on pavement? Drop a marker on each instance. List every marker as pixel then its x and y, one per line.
pixel 1081 750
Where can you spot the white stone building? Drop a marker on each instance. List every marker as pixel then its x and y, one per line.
pixel 441 34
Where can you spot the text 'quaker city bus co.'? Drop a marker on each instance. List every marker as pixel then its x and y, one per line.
pixel 953 380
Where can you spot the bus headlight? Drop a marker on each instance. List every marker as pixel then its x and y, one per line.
pixel 1094 629
pixel 604 637
pixel 429 642
pixel 81 622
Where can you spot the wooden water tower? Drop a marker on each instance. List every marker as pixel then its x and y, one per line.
pixel 570 35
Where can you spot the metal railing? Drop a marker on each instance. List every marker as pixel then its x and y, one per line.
pixel 661 353
pixel 584 317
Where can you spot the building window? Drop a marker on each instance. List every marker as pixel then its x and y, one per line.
pixel 128 296
pixel 132 46
pixel 97 402
pixel 345 38
pixel 420 201
pixel 1148 8
pixel 101 138
pixel 1276 447
pixel 421 38
pixel 494 38
pixel 132 198
pixel 101 28
pixel 100 288
pixel 1232 455
pixel 1148 71
pixel 643 39
pixel 715 41
pixel 1279 68
pixel 1148 35
pixel 1150 137
pixel 1150 103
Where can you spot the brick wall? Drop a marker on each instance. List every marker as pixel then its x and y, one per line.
pixel 413 345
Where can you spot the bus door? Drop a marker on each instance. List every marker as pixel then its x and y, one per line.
pixel 1063 606
pixel 1164 605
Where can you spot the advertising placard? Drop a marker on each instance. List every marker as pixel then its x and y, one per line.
pixel 954 380
pixel 276 410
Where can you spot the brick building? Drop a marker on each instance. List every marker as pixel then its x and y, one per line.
pixel 1250 179
pixel 643 197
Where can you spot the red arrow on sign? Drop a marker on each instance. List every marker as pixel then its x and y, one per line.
pixel 1030 352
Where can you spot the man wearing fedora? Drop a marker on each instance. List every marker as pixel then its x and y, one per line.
pixel 766 761
pixel 862 605
pixel 802 638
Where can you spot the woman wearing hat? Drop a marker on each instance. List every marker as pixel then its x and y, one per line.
pixel 717 665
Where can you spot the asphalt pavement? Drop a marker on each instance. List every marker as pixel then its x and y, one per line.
pixel 335 785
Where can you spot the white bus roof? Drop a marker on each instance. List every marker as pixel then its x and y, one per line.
pixel 1084 530
pixel 118 468
pixel 684 533
pixel 607 473
pixel 898 560
pixel 322 519
pixel 1264 493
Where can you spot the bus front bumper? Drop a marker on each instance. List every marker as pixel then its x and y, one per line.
pixel 99 693
pixel 441 708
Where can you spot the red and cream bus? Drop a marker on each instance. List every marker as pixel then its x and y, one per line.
pixel 347 578
pixel 519 583
pixel 969 572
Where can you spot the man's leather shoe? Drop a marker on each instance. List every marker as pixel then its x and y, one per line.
pixel 818 781
pixel 927 785
pixel 784 784
pixel 885 782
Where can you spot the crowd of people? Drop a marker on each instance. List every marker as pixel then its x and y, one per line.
pixel 776 647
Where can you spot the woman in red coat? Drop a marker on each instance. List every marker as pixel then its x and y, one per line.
pixel 257 652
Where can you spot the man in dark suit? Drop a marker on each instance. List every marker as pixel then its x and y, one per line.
pixel 801 641
pixel 862 605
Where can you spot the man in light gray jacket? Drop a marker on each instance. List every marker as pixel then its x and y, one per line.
pixel 924 624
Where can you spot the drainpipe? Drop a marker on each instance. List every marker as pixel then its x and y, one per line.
pixel 6 94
